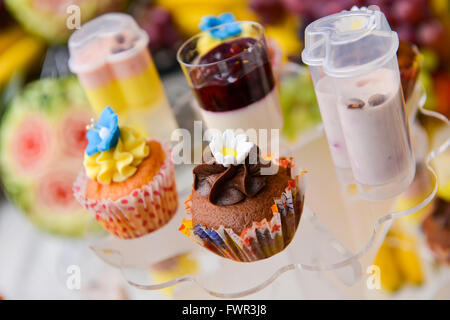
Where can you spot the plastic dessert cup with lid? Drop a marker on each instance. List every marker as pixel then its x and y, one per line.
pixel 232 78
pixel 110 56
pixel 357 51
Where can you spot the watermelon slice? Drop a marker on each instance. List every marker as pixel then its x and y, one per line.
pixel 73 134
pixel 42 138
pixel 31 144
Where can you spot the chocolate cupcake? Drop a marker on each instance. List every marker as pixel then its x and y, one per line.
pixel 437 230
pixel 242 207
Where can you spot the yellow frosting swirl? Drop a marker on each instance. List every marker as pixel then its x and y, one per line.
pixel 119 163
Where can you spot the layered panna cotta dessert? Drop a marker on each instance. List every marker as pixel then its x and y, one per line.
pixel 372 115
pixel 242 95
pixel 110 56
pixel 327 101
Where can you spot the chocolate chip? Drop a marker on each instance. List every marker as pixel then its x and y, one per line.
pixel 120 38
pixel 355 103
pixel 377 99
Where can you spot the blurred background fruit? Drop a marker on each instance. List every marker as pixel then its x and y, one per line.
pixel 442 167
pixel 48 18
pixel 4 16
pixel 19 52
pixel 42 140
pixel 188 13
pixel 300 111
pixel 391 277
pixel 165 38
pixel 268 11
pixel 399 259
pixel 285 36
pixel 180 265
pixel 409 63
pixel 436 228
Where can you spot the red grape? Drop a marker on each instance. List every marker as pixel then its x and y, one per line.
pixel 360 3
pixel 269 11
pixel 380 3
pixel 385 7
pixel 430 33
pixel 299 6
pixel 157 22
pixel 160 15
pixel 408 10
pixel 329 7
pixel 406 32
pixel 164 37
pixel 319 8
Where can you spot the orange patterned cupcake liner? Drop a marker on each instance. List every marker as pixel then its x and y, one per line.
pixel 143 211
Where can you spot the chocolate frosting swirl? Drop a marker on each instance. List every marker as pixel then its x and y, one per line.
pixel 225 186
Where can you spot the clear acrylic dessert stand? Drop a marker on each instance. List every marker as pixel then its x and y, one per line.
pixel 338 232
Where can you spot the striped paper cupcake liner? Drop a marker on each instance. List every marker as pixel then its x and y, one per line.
pixel 143 211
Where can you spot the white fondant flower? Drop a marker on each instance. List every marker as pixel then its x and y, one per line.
pixel 230 149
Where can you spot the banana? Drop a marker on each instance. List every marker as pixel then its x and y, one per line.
pixel 440 7
pixel 9 36
pixel 398 257
pixel 419 189
pixel 188 20
pixel 285 35
pixel 407 255
pixel 391 277
pixel 176 4
pixel 181 265
pixel 442 167
pixel 18 56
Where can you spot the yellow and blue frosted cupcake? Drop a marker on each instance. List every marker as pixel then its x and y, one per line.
pixel 128 182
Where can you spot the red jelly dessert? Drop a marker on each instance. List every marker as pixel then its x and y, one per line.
pixel 233 75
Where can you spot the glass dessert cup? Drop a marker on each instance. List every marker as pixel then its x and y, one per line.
pixel 111 59
pixel 232 79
